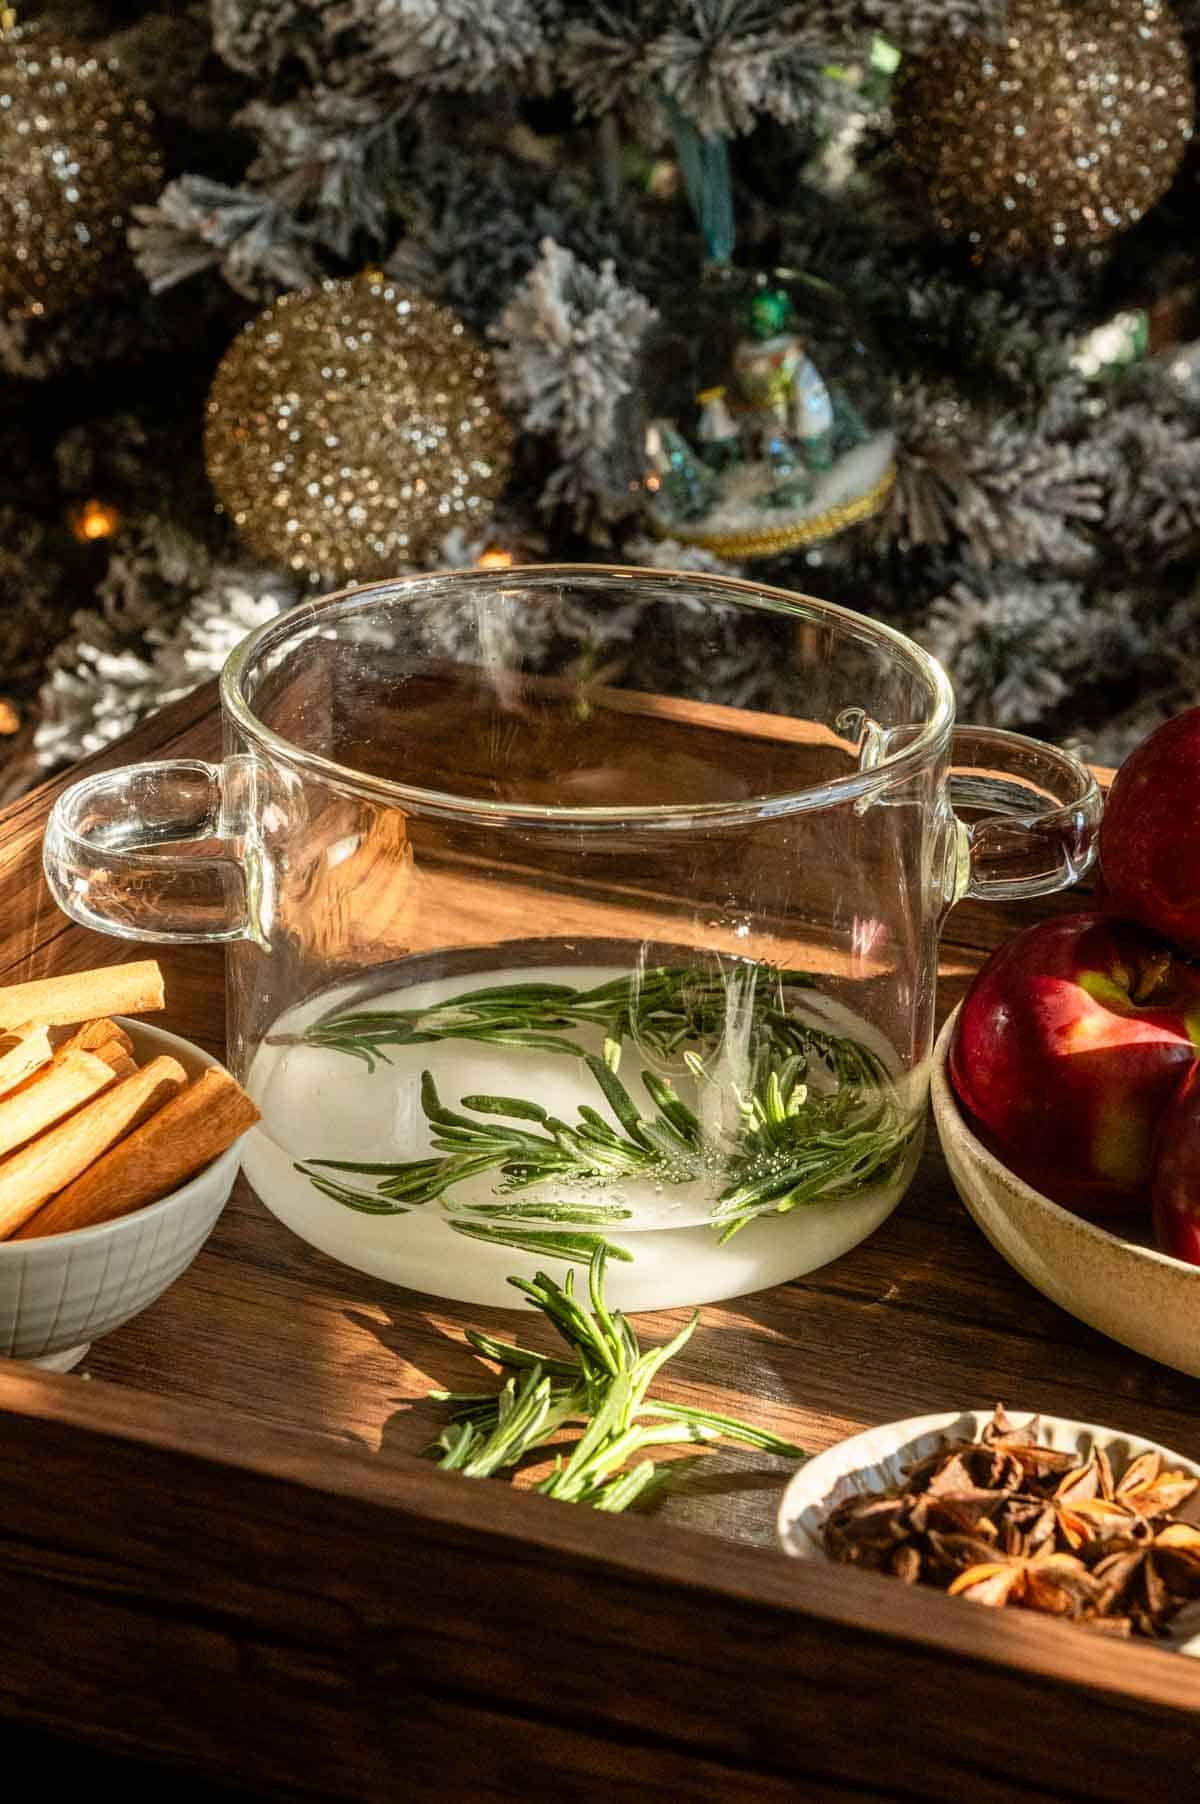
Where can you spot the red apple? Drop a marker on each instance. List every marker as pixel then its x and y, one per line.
pixel 1150 834
pixel 1070 1043
pixel 1175 1187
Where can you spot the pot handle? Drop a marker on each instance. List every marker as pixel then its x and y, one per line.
pixel 1027 815
pixel 156 851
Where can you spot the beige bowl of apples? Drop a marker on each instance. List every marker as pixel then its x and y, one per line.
pixel 1066 1086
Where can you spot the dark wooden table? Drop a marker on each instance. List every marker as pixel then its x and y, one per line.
pixel 219 1553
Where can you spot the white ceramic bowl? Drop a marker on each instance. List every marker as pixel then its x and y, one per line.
pixel 60 1293
pixel 874 1461
pixel 1141 1297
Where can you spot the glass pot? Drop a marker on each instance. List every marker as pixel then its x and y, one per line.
pixel 645 871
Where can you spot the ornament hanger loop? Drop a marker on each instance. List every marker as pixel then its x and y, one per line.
pixel 704 163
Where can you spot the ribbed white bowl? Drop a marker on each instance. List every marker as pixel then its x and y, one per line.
pixel 60 1293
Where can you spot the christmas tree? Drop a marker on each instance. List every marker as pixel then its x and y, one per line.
pixel 219 218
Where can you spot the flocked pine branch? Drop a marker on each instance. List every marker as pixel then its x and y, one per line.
pixel 998 547
pixel 568 346
pixel 999 344
pixel 263 38
pixel 334 163
pixel 124 328
pixel 725 63
pixel 463 45
pixel 1015 645
pixel 473 223
pixel 1171 682
pixel 32 614
pixel 1149 442
pixel 166 620
pixel 198 224
pixel 670 554
pixel 232 603
pixel 997 484
pixel 167 57
pixel 756 54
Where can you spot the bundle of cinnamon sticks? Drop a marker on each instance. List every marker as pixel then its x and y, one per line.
pixel 86 1134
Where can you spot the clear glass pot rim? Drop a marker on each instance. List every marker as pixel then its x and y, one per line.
pixel 892 767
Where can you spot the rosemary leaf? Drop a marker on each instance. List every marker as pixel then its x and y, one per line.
pixel 505 1353
pixel 591 1464
pixel 598 1353
pixel 365 1202
pixel 728 1427
pixel 578 1248
pixel 530 1417
pixel 581 1215
pixel 630 1487
pixel 456 1443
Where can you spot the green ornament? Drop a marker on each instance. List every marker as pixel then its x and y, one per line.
pixel 768 313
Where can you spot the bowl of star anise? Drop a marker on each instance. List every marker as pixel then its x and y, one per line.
pixel 1044 1514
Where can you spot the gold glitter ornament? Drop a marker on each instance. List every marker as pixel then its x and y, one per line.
pixel 1062 131
pixel 350 426
pixel 76 151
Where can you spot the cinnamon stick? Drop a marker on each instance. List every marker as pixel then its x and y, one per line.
pixel 55 1159
pixel 69 1081
pixel 23 1052
pixel 172 1146
pixel 116 1058
pixel 132 989
pixel 95 1034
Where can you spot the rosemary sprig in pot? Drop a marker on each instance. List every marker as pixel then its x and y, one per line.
pixel 661 1009
pixel 602 1389
pixel 793 1145
pixel 800 1144
pixel 549 1151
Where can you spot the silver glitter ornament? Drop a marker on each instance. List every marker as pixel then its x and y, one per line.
pixel 1060 132
pixel 77 151
pixel 351 426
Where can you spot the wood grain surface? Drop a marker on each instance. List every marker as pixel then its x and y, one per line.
pixel 219 1552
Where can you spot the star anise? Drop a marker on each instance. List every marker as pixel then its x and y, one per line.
pixel 1149 1491
pixel 1006 1521
pixel 1149 1578
pixel 1055 1583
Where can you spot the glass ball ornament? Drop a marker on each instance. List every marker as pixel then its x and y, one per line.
pixel 351 426
pixel 1055 136
pixel 78 151
pixel 764 416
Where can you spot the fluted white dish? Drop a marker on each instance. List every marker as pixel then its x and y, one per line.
pixel 872 1462
pixel 61 1292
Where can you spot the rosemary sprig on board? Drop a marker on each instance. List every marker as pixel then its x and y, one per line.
pixel 602 1389
pixel 661 1009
